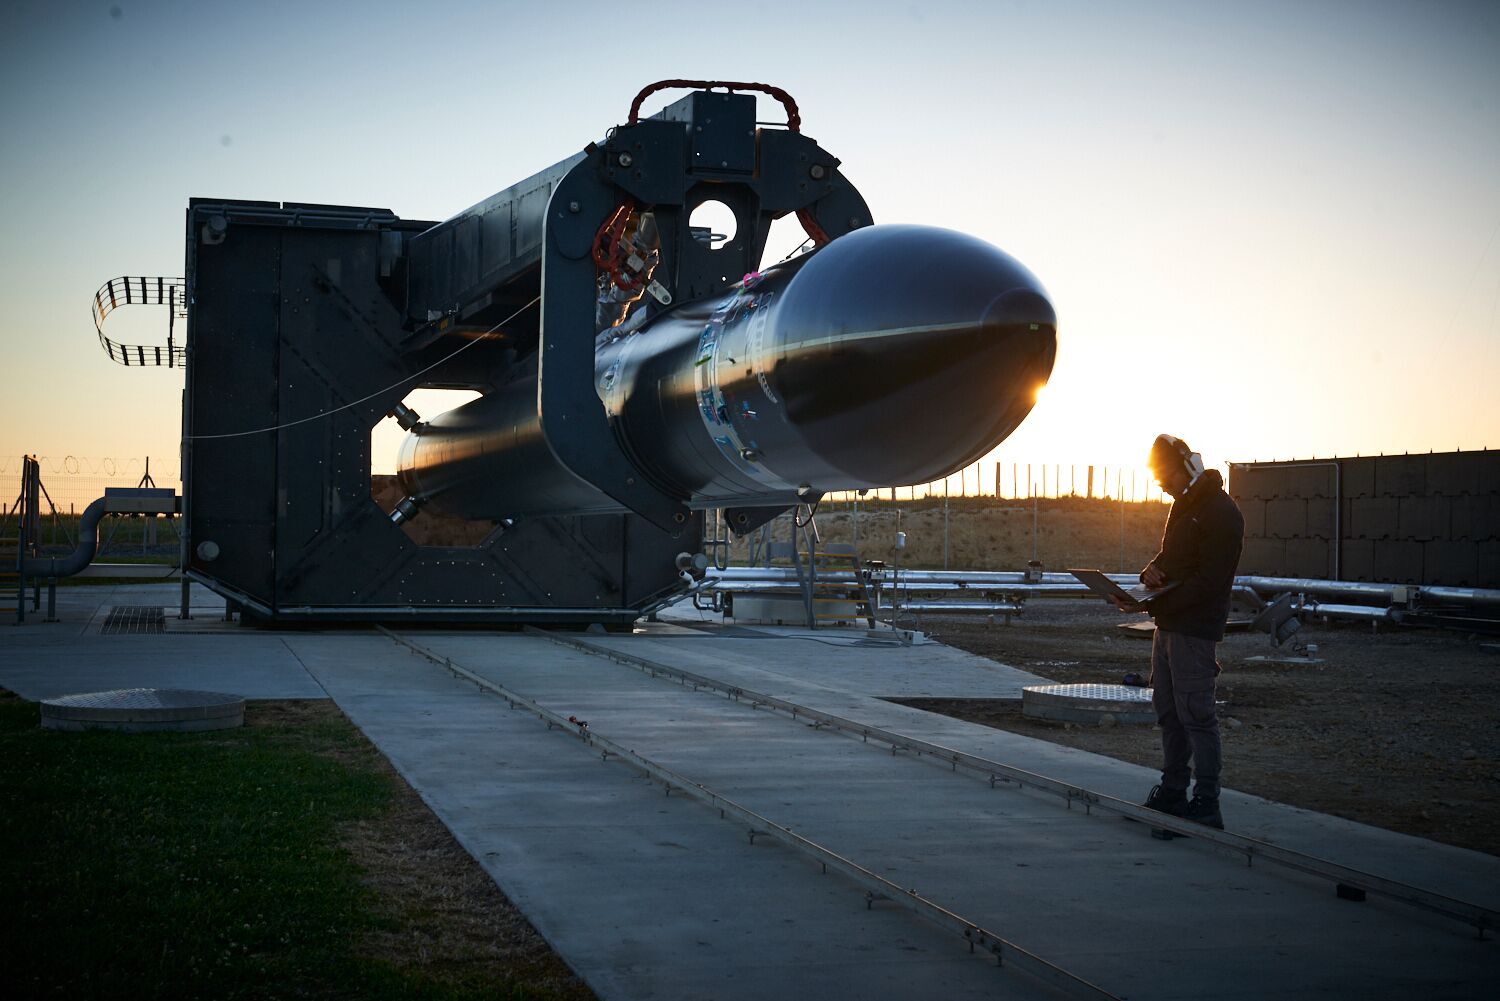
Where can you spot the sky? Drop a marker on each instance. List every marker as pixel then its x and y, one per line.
pixel 1272 229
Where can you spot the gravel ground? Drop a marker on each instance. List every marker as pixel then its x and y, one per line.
pixel 1396 728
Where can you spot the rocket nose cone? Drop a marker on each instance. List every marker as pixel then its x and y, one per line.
pixel 938 345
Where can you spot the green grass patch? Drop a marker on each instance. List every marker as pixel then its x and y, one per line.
pixel 212 865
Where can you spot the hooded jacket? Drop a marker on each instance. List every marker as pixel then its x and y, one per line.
pixel 1201 548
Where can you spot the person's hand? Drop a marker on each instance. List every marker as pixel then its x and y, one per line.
pixel 1123 605
pixel 1152 576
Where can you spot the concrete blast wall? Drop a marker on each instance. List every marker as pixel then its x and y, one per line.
pixel 1422 519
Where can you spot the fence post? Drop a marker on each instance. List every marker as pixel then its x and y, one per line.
pixel 1033 528
pixel 945 523
pixel 1122 531
pixel 1091 482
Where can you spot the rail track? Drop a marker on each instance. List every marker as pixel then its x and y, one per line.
pixel 1347 882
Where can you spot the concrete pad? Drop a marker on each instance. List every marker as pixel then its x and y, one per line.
pixel 656 896
pixel 253 666
pixel 42 660
pixel 645 895
pixel 1019 862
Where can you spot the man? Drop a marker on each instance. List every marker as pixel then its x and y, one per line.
pixel 1200 550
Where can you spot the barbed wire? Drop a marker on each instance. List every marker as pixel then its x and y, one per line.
pixel 76 465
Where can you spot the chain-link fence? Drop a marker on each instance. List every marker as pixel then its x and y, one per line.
pixel 997 515
pixel 1025 480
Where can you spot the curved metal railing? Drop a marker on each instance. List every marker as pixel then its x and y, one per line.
pixel 130 291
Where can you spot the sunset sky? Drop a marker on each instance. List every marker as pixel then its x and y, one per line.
pixel 1272 229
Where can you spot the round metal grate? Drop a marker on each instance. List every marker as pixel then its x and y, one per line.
pixel 144 709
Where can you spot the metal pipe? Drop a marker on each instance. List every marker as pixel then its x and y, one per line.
pixel 976 579
pixel 1463 595
pixel 1358 594
pixel 116 500
pixel 80 557
pixel 957 607
pixel 1368 613
pixel 1319 588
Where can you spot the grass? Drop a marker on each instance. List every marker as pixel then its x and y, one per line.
pixel 274 860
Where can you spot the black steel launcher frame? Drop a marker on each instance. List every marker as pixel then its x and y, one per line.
pixel 308 324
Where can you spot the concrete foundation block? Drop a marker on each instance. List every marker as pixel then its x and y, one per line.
pixel 1262 483
pixel 1263 556
pixel 1373 518
pixel 1286 518
pixel 1487 557
pixel 1309 558
pixel 1454 564
pixel 1400 475
pixel 1357 559
pixel 1463 514
pixel 1398 561
pixel 1312 482
pixel 1454 473
pixel 1320 512
pixel 1241 481
pixel 1254 510
pixel 1357 477
pixel 1486 511
pixel 1488 473
pixel 1423 518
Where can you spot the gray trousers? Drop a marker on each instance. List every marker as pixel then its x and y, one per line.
pixel 1183 672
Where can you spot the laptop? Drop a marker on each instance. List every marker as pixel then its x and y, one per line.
pixel 1101 584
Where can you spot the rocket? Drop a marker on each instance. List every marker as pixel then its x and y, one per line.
pixel 891 355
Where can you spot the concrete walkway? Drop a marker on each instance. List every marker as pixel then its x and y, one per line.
pixel 655 896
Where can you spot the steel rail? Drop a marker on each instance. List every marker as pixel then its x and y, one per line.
pixel 876 887
pixel 1053 583
pixel 1481 918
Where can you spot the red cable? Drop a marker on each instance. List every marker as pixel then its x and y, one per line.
pixel 793 117
pixel 609 250
pixel 810 226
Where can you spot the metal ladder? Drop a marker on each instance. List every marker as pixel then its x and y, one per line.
pixel 841 556
pixel 819 592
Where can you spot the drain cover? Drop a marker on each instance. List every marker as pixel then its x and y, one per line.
pixel 135 619
pixel 1088 703
pixel 137 709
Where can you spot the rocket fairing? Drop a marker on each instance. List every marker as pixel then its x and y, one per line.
pixel 892 355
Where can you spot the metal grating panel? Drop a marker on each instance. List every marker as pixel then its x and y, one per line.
pixel 1095 693
pixel 1088 703
pixel 135 619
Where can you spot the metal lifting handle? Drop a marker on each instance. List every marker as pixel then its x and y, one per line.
pixel 793 117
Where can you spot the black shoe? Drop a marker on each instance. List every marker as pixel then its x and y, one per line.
pixel 1204 810
pixel 1173 801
